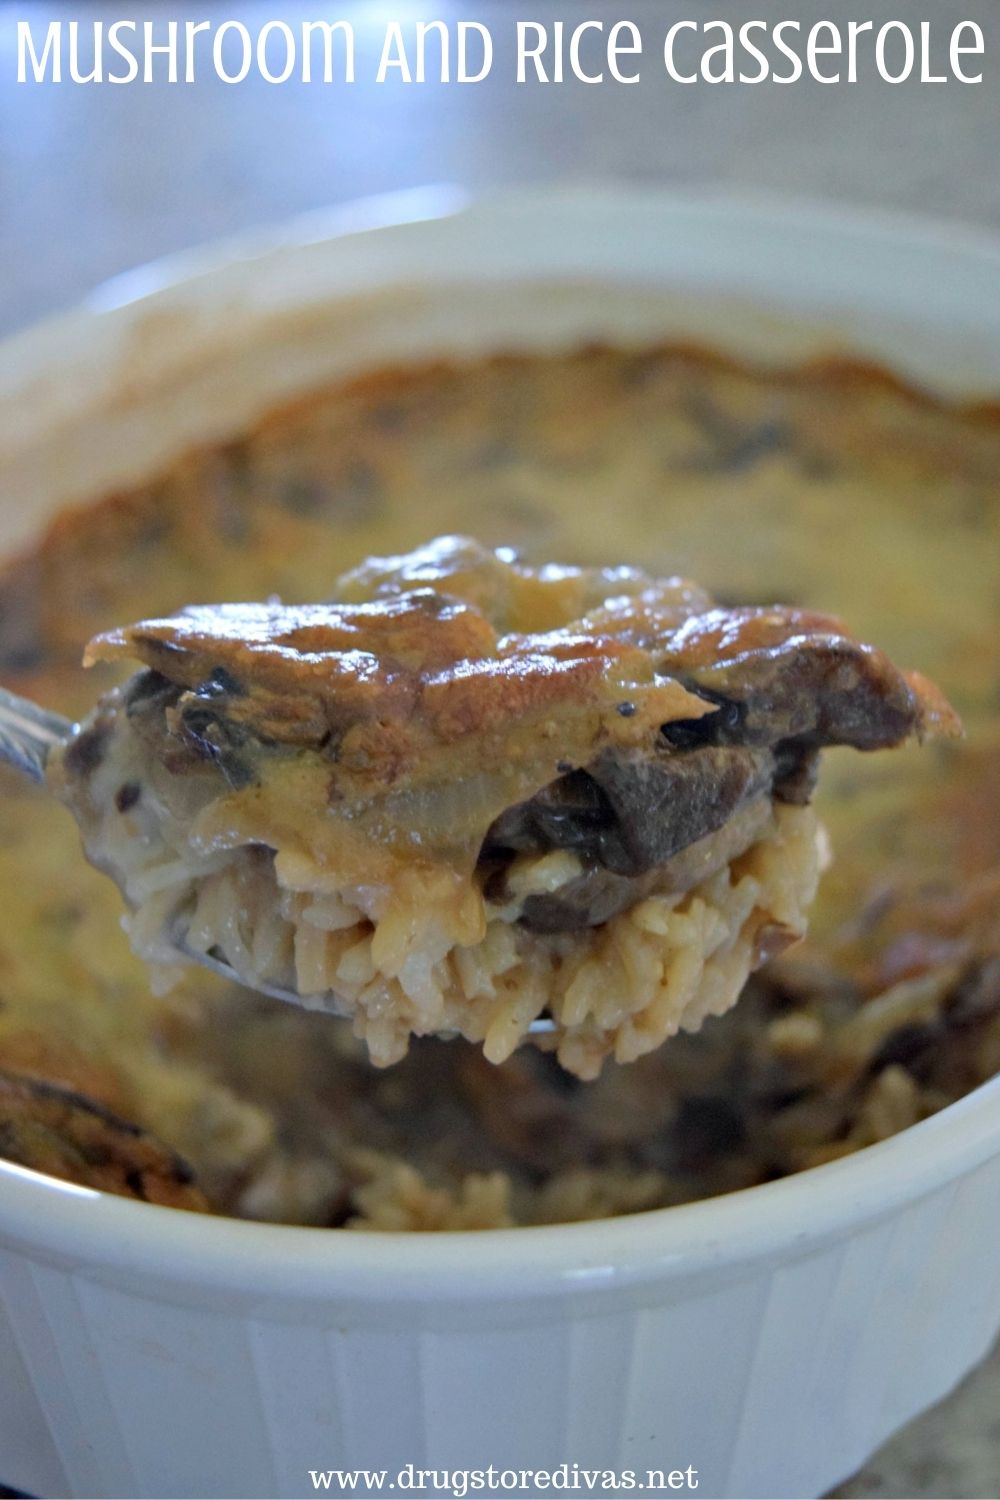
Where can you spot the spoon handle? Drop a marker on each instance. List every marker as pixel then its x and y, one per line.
pixel 28 733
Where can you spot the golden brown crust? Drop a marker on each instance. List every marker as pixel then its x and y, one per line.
pixel 52 1129
pixel 30 1053
pixel 401 683
pixel 439 656
pixel 312 669
pixel 762 481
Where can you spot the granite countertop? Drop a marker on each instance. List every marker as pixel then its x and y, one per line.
pixel 96 180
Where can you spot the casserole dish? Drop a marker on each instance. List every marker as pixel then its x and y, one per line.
pixel 771 1338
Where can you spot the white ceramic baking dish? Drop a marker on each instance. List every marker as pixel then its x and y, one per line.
pixel 771 1339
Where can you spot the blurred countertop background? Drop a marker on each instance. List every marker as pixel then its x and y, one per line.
pixel 96 179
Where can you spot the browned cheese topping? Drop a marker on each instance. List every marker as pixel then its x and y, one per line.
pixel 598 710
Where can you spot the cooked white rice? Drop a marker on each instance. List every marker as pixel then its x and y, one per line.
pixel 430 953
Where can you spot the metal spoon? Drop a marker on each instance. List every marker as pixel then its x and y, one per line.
pixel 28 734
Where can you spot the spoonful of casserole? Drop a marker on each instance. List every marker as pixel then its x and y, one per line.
pixel 475 796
